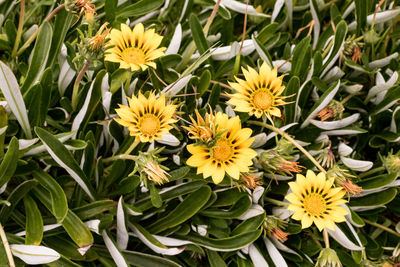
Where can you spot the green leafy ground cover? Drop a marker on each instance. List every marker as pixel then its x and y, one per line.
pixel 74 187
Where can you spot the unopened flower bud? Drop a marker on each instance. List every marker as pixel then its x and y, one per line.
pixel 328 258
pixel 392 162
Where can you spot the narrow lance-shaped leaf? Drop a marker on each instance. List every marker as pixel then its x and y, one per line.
pixel 12 94
pixel 34 222
pixel 59 205
pixel 184 211
pixel 64 158
pixel 140 8
pixel 9 162
pixel 225 244
pixel 39 57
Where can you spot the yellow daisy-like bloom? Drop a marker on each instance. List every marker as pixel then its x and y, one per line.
pixel 231 153
pixel 134 49
pixel 259 93
pixel 147 118
pixel 314 200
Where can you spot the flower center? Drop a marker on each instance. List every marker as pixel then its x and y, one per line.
pixel 314 204
pixel 133 55
pixel 222 151
pixel 262 99
pixel 150 124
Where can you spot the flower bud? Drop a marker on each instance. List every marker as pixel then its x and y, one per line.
pixel 328 258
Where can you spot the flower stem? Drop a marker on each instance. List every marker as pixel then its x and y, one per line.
pixel 382 227
pixel 77 82
pixel 33 36
pixel 290 139
pixel 276 202
pixel 6 247
pixel 121 156
pixel 326 238
pixel 19 31
pixel 132 147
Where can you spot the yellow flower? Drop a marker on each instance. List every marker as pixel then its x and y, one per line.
pixel 147 118
pixel 97 42
pixel 134 49
pixel 314 200
pixel 202 130
pixel 259 93
pixel 230 153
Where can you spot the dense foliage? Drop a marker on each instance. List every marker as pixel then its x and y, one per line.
pixel 200 133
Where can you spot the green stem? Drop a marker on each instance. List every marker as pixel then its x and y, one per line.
pixel 19 31
pixel 326 238
pixel 122 156
pixel 276 202
pixel 365 174
pixel 76 84
pixel 33 36
pixel 6 247
pixel 132 147
pixel 382 227
pixel 290 139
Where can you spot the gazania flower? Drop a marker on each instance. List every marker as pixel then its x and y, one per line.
pixel 203 130
pixel 230 153
pixel 134 49
pixel 97 42
pixel 147 118
pixel 260 93
pixel 314 200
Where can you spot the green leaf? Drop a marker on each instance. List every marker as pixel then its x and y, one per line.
pixel 249 225
pixel 238 209
pixel 145 260
pixel 292 88
pixel 64 158
pixel 225 244
pixel 34 222
pixel 39 57
pixel 59 206
pixel 94 209
pixel 362 7
pixel 9 163
pixel 198 34
pixel 215 259
pixel 180 190
pixel 204 82
pixel 16 195
pixel 154 195
pixel 62 24
pixel 377 181
pixel 140 8
pixel 262 51
pixel 391 98
pixel 77 230
pixel 91 101
pixel 301 58
pixel 267 32
pixel 377 199
pixel 110 8
pixel 10 88
pixel 184 211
